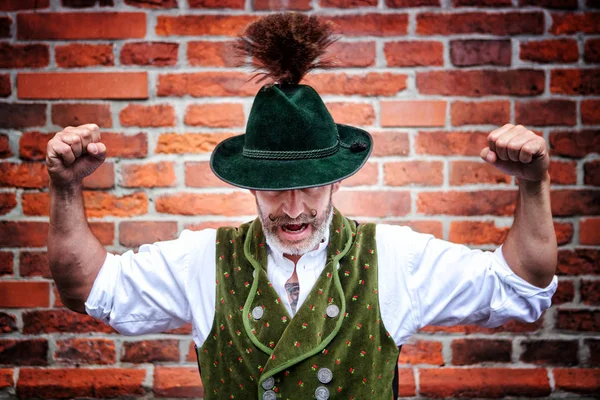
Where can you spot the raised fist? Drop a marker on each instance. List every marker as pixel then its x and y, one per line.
pixel 74 153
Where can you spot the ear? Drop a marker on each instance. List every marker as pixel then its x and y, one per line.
pixel 335 187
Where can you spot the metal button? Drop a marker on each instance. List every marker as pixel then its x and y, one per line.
pixel 325 375
pixel 332 311
pixel 257 312
pixel 268 383
pixel 269 395
pixel 322 393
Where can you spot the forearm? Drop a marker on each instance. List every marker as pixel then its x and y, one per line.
pixel 530 247
pixel 74 253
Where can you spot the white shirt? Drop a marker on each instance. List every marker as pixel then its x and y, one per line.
pixel 421 280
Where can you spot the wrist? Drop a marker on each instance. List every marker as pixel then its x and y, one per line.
pixel 65 190
pixel 535 187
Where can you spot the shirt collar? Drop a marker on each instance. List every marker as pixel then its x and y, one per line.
pixel 281 261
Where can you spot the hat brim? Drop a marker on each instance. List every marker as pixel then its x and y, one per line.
pixel 228 163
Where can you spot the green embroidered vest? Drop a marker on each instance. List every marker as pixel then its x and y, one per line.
pixel 256 350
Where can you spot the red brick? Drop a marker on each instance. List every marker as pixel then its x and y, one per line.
pixel 298 5
pixel 471 172
pixel 563 173
pixel 560 4
pixel 476 351
pixel 347 3
pixel 565 293
pixel 199 174
pixel 546 112
pixel 577 380
pixel 370 24
pixel 8 323
pixel 352 54
pixel 125 146
pixel 5 23
pixel 412 3
pixel 137 233
pixel 34 263
pixel 177 382
pixel 87 3
pixel 5 151
pixel 215 115
pixel 578 320
pixel 152 3
pixel 480 112
pixel 415 172
pixel 83 85
pixel 102 178
pixel 14 5
pixel 370 84
pixel 206 84
pixel 201 25
pixel 575 81
pixel 85 351
pixel 483 382
pixel 99 204
pixel 413 113
pixel 574 143
pixel 213 54
pixel 6 264
pixel 148 116
pixel 77 55
pixel 550 51
pixel 589 231
pixel 591 171
pixel 36 203
pixel 49 321
pixel 5 85
pixel 104 232
pixel 591 53
pixel 593 351
pixel 22 115
pixel 368 175
pixel 482 202
pixel 589 112
pixel 476 232
pixel 24 175
pixel 467 53
pixel 390 143
pixel 434 228
pixel 373 203
pixel 21 294
pixel 570 23
pixel 6 378
pixel 233 4
pixel 24 352
pixel 466 143
pixel 148 351
pixel 230 204
pixel 481 3
pixel 500 24
pixel 80 382
pixel 70 26
pixel 476 83
pixel 160 174
pixel 578 262
pixel 352 113
pixel 414 53
pixel 189 142
pixel 550 352
pixel 8 201
pixel 73 114
pixel 590 292
pixel 406 382
pixel 158 54
pixel 572 202
pixel 24 55
pixel 421 352
pixel 564 232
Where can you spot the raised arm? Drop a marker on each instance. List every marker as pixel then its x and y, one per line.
pixel 530 247
pixel 74 253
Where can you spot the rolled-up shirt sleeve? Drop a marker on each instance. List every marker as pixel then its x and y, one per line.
pixel 144 292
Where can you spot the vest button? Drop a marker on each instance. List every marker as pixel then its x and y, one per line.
pixel 257 312
pixel 269 395
pixel 268 383
pixel 332 311
pixel 325 375
pixel 322 393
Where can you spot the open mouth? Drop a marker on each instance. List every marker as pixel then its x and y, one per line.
pixel 294 228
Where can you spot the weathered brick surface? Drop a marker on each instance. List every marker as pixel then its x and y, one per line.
pixel 133 234
pixel 24 352
pixel 158 54
pixel 177 382
pixel 475 351
pixel 85 351
pixel 147 116
pixel 84 55
pixel 151 351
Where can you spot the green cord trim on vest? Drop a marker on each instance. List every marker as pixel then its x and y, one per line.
pixel 250 297
pixel 291 155
pixel 338 325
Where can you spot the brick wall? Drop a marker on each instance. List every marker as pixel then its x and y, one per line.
pixel 429 79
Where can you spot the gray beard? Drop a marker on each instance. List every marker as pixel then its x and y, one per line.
pixel 302 247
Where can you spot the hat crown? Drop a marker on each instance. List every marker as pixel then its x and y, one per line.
pixel 289 119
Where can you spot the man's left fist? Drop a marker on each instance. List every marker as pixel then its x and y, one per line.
pixel 517 151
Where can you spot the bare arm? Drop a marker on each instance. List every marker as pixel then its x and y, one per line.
pixel 74 253
pixel 530 247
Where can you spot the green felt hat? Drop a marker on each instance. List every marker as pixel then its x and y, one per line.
pixel 291 142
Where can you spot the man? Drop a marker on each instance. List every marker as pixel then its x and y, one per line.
pixel 301 302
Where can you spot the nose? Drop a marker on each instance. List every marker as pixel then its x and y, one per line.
pixel 293 204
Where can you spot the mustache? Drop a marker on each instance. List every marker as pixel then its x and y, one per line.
pixel 285 219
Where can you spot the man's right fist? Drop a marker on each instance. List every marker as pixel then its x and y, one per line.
pixel 74 153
